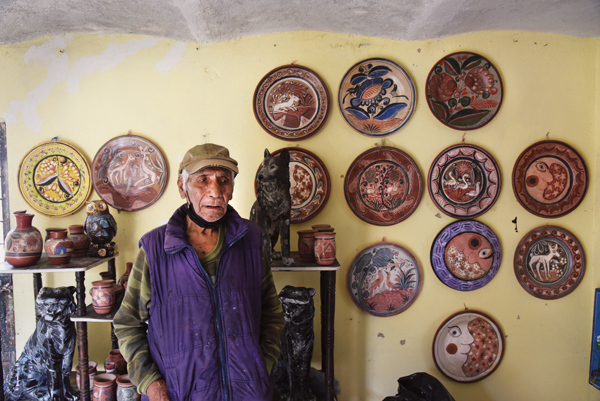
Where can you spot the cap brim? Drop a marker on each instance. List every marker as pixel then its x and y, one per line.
pixel 199 165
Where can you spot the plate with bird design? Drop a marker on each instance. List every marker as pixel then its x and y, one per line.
pixel 54 178
pixel 129 173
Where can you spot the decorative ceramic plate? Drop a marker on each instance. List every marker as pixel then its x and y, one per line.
pixel 549 262
pixel 383 186
pixel 384 279
pixel 550 179
pixel 468 346
pixel 291 102
pixel 129 173
pixel 464 181
pixel 466 255
pixel 54 178
pixel 464 91
pixel 309 184
pixel 377 97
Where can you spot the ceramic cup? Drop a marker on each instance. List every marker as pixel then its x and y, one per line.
pixel 325 248
pixel 105 387
pixel 103 296
pixel 126 390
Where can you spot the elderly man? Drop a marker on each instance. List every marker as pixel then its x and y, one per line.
pixel 201 318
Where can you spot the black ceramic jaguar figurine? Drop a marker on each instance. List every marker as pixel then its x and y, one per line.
pixel 42 371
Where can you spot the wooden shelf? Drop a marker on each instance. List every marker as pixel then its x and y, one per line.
pixel 45 266
pixel 300 266
pixel 92 316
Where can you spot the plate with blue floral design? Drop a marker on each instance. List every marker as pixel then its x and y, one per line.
pixel 377 97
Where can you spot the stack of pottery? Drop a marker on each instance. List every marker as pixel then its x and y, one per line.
pixel 325 247
pixel 105 387
pixel 126 390
pixel 92 371
pixel 80 239
pixel 24 243
pixel 59 247
pixel 103 296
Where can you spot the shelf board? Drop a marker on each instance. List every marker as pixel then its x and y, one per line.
pixel 300 266
pixel 45 266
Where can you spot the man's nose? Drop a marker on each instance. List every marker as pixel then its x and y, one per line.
pixel 214 189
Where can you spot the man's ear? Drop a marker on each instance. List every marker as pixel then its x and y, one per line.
pixel 180 187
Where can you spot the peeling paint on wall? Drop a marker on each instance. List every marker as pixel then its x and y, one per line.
pixel 172 58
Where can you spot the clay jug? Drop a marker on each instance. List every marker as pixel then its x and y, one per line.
pixel 103 296
pixel 24 243
pixel 306 245
pixel 123 280
pixel 59 247
pixel 114 356
pixel 105 387
pixel 126 390
pixel 325 248
pixel 80 239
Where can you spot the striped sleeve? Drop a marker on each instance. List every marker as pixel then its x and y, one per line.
pixel 272 321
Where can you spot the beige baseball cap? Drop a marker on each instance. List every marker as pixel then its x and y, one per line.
pixel 207 155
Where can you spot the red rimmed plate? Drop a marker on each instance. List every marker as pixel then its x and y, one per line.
pixel 550 179
pixel 464 91
pixel 129 173
pixel 464 181
pixel 291 102
pixel 310 184
pixel 383 186
pixel 549 262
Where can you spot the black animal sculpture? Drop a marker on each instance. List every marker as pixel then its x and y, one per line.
pixel 296 342
pixel 42 372
pixel 272 209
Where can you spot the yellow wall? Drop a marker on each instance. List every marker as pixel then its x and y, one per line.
pixel 87 89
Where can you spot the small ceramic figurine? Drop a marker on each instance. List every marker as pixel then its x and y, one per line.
pixel 101 227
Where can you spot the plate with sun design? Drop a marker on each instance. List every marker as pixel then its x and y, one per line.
pixel 54 178
pixel 466 255
pixel 383 186
pixel 377 97
pixel 550 179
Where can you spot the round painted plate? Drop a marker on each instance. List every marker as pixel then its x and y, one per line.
pixel 464 181
pixel 466 255
pixel 464 91
pixel 468 346
pixel 549 262
pixel 377 97
pixel 129 173
pixel 550 179
pixel 384 279
pixel 383 186
pixel 291 102
pixel 309 184
pixel 54 178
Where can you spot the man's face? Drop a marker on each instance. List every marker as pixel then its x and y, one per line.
pixel 210 191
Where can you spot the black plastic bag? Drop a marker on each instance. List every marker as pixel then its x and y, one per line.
pixel 420 387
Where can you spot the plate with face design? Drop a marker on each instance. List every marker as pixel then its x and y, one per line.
pixel 383 186
pixel 468 346
pixel 550 179
pixel 464 181
pixel 466 255
pixel 291 103
pixel 54 178
pixel 549 262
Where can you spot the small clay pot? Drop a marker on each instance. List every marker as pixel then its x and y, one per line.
pixel 103 296
pixel 325 248
pixel 49 231
pixel 80 239
pixel 59 247
pixel 126 390
pixel 306 245
pixel 115 357
pixel 105 387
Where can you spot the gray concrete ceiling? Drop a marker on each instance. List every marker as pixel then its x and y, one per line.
pixel 218 20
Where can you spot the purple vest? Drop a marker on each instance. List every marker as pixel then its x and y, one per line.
pixel 204 337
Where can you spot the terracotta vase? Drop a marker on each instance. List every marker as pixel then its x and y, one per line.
pixel 24 243
pixel 125 277
pixel 126 390
pixel 92 371
pixel 114 356
pixel 105 387
pixel 59 247
pixel 103 296
pixel 325 248
pixel 306 245
pixel 80 239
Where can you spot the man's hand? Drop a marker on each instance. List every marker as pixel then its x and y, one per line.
pixel 157 391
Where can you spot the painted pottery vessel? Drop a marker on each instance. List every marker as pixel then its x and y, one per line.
pixel 125 277
pixel 325 248
pixel 115 357
pixel 49 231
pixel 80 239
pixel 105 387
pixel 24 243
pixel 103 296
pixel 126 390
pixel 109 367
pixel 92 372
pixel 306 245
pixel 59 247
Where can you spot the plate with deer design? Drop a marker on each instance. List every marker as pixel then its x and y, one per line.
pixel 384 279
pixel 129 173
pixel 549 262
pixel 466 255
pixel 291 102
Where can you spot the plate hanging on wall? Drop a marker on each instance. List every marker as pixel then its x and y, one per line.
pixel 468 346
pixel 464 181
pixel 549 262
pixel 54 178
pixel 291 103
pixel 466 255
pixel 377 97
pixel 129 173
pixel 384 279
pixel 550 179
pixel 383 186
pixel 310 184
pixel 464 91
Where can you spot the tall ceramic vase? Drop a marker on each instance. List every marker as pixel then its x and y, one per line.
pixel 59 247
pixel 24 243
pixel 125 277
pixel 325 248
